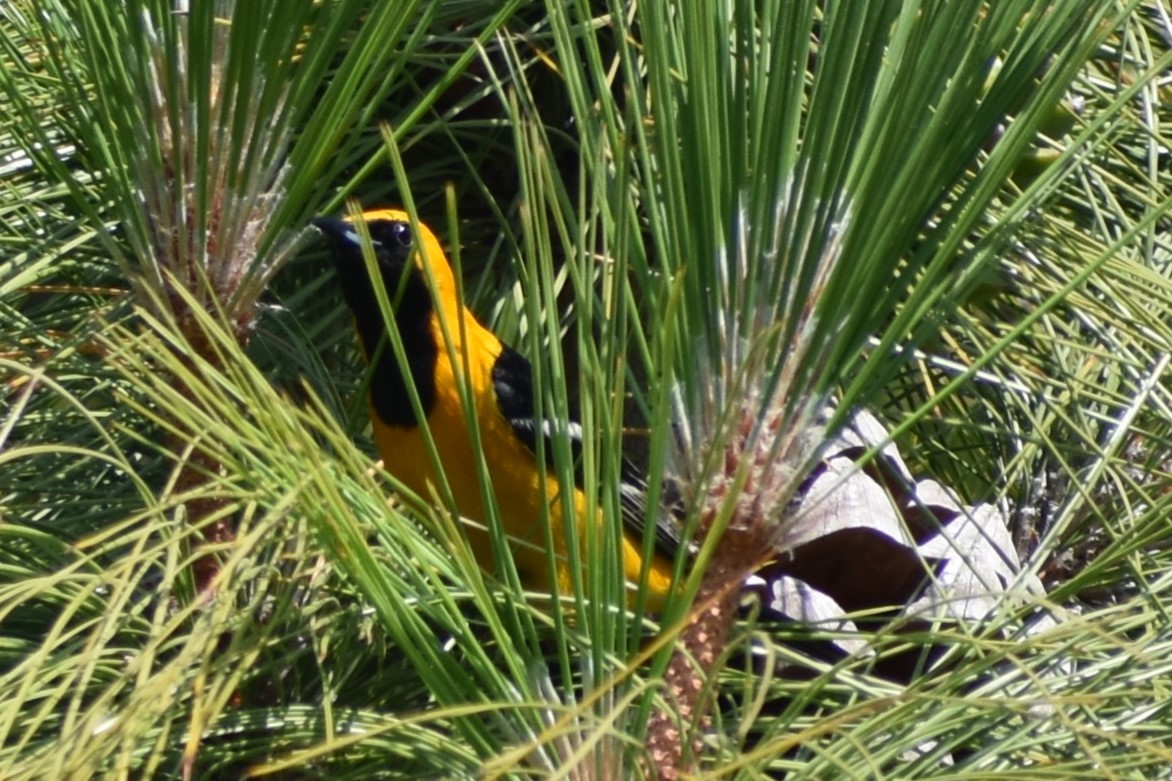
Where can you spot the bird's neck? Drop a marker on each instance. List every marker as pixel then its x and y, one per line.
pixel 390 395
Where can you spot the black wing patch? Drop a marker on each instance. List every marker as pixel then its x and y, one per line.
pixel 512 377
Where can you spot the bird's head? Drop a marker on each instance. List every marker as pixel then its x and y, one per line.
pixel 398 253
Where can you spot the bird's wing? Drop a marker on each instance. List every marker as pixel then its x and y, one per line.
pixel 513 381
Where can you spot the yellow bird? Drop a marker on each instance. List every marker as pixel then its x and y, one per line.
pixel 501 389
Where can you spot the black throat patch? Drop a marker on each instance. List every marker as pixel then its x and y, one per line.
pixel 413 312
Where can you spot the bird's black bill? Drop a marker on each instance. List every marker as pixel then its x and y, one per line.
pixel 336 229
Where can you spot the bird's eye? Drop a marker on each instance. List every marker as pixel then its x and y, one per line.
pixel 401 232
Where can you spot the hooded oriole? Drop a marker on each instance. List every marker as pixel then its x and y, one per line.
pixel 501 389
